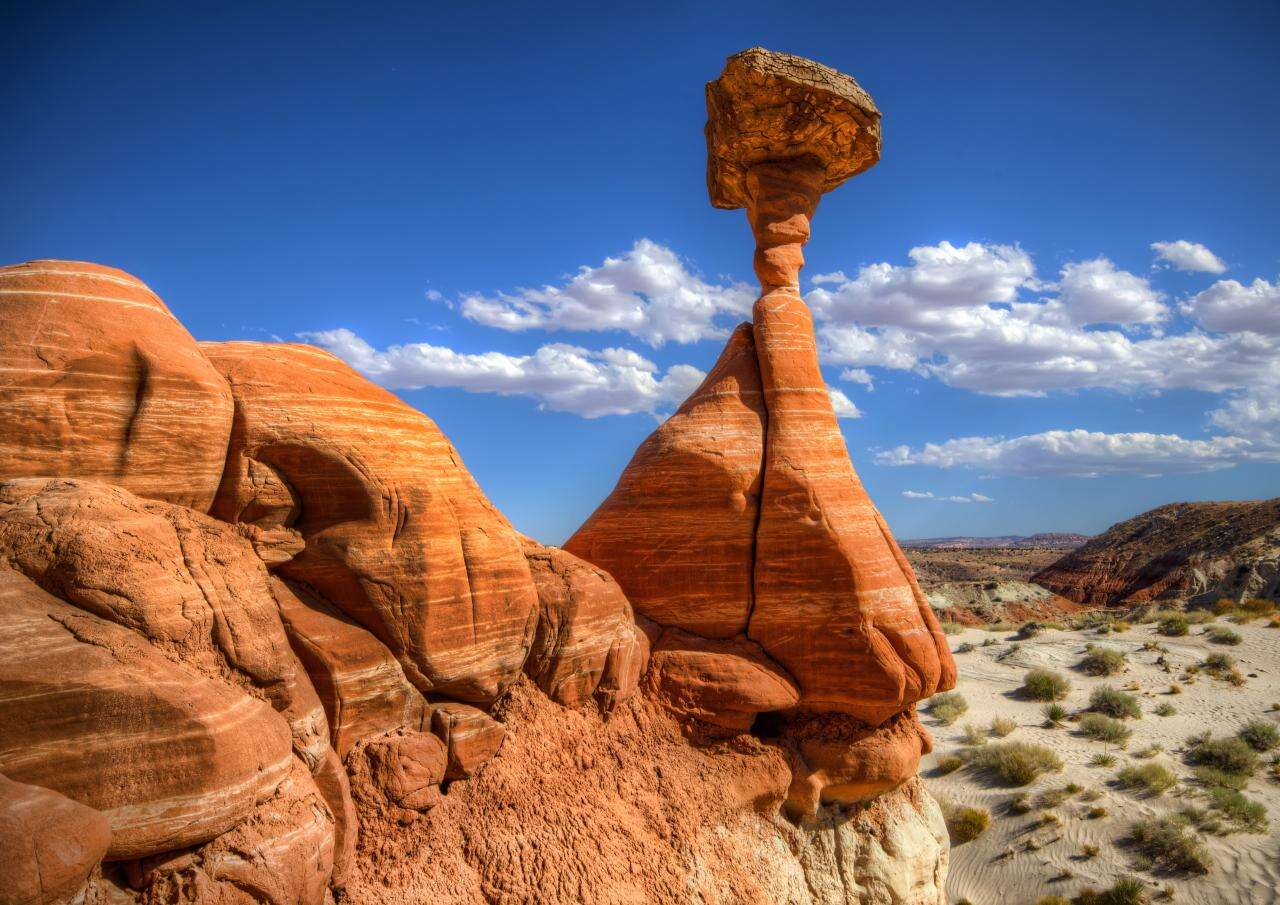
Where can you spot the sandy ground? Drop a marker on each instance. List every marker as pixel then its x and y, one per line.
pixel 1000 867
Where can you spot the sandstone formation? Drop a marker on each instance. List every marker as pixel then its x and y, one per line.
pixel 586 643
pixel 742 517
pixel 397 534
pixel 92 711
pixel 101 382
pixel 264 641
pixel 1202 552
pixel 49 845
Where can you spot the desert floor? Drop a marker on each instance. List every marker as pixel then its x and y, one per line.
pixel 1018 860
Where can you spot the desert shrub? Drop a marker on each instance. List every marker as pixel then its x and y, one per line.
pixel 1052 900
pixel 1055 714
pixel 1096 812
pixel 1089 851
pixel 988 642
pixel 951 628
pixel 1175 688
pixel 1220 779
pixel 1114 702
pixel 949 764
pixel 1020 804
pixel 1241 810
pixel 1051 798
pixel 1150 779
pixel 1174 626
pixel 1165 709
pixel 1274 621
pixel 1169 845
pixel 972 735
pixel 1017 763
pixel 1102 760
pixel 1150 751
pixel 1125 891
pixel 1221 635
pixel 1001 726
pixel 966 647
pixel 1223 605
pixel 1199 617
pixel 998 627
pixel 1045 685
pixel 1030 629
pixel 1102 661
pixel 967 824
pixel 1260 735
pixel 1102 728
pixel 948 707
pixel 1257 606
pixel 1231 756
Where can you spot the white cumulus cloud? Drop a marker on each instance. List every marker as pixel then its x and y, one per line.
pixel 647 292
pixel 1188 256
pixel 929 495
pixel 1229 306
pixel 561 377
pixel 1081 453
pixel 1095 292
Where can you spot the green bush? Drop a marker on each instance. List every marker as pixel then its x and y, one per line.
pixel 1151 779
pixel 1055 714
pixel 1165 709
pixel 1246 813
pixel 1174 626
pixel 1102 728
pixel 1260 735
pixel 1030 630
pixel 948 707
pixel 1114 702
pixel 1169 845
pixel 951 628
pixel 1215 663
pixel 972 735
pixel 1102 661
pixel 1017 763
pixel 1045 685
pixel 967 824
pixel 1232 756
pixel 1222 635
pixel 966 647
pixel 1125 891
pixel 1102 760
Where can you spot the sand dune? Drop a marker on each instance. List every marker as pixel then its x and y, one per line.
pixel 1017 860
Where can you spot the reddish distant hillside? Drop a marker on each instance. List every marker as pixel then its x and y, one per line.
pixel 1196 551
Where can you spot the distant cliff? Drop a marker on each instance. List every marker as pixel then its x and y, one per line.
pixel 1197 551
pixel 1052 539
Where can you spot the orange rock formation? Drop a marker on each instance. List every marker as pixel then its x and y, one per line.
pixel 264 641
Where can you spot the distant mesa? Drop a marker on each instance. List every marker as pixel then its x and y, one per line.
pixel 1044 540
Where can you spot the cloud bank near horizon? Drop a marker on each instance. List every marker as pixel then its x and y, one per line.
pixel 976 317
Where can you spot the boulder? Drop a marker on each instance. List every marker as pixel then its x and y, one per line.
pixel 725 683
pixel 361 685
pixel 471 737
pixel 408 768
pixel 187 583
pixel 49 845
pixel 398 536
pixel 91 711
pixel 332 782
pixel 102 382
pixel 586 643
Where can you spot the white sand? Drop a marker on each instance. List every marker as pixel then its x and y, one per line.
pixel 1248 865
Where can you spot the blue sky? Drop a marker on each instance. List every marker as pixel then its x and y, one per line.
pixel 403 183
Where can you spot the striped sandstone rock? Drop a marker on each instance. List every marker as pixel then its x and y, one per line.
pixel 398 535
pixel 49 845
pixel 92 711
pixel 99 381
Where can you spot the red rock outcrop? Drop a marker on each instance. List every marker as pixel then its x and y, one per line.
pixel 586 644
pixel 49 845
pixel 361 685
pixel 185 582
pixel 1203 552
pixel 756 454
pixel 471 737
pixel 398 536
pixel 101 382
pixel 92 711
